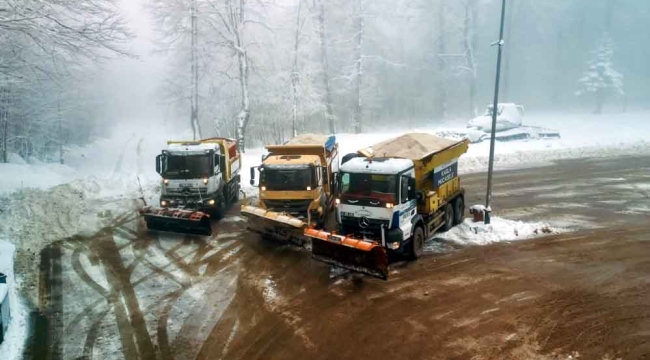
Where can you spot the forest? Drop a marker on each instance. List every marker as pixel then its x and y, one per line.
pixel 262 70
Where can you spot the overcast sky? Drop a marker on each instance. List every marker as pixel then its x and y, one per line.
pixel 133 82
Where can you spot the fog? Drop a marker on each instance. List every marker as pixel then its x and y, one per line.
pixel 266 69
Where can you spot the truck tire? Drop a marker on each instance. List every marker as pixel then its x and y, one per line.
pixel 220 210
pixel 448 218
pixel 417 244
pixel 459 210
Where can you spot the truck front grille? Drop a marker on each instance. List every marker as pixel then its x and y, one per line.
pixel 294 207
pixel 354 225
pixel 186 192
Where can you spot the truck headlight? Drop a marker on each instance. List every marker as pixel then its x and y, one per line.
pixel 394 245
pixel 211 202
pixel 205 181
pixel 166 181
pixel 263 188
pixel 163 203
pixel 308 188
pixel 337 201
pixel 389 205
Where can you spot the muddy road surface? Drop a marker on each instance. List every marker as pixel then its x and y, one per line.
pixel 130 294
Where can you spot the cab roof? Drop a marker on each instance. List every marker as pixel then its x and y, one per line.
pixel 364 165
pixel 192 146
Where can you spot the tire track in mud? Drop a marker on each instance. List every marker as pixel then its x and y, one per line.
pixel 130 318
pixel 83 275
pixel 93 333
pixel 132 331
pixel 52 296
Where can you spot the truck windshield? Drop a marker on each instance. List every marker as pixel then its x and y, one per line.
pixel 369 186
pixel 287 179
pixel 188 167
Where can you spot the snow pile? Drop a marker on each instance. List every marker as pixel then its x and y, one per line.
pixel 41 176
pixel 478 233
pixel 14 342
pixel 33 219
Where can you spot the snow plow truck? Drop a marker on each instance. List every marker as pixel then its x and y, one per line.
pixel 296 188
pixel 200 180
pixel 391 199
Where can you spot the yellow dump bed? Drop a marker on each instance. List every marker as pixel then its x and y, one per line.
pixel 427 151
pixel 435 161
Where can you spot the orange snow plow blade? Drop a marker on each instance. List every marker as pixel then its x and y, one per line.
pixel 177 220
pixel 275 225
pixel 364 256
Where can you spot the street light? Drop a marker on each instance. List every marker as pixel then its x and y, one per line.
pixel 495 110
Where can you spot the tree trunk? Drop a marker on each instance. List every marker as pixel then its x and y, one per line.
pixel 60 135
pixel 4 116
pixel 295 75
pixel 358 54
pixel 471 14
pixel 194 113
pixel 609 12
pixel 242 59
pixel 442 49
pixel 329 108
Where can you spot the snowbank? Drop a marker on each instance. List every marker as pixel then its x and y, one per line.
pixel 471 233
pixel 14 342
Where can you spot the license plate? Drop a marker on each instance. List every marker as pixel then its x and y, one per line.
pixel 333 238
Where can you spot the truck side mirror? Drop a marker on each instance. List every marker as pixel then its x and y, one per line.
pixel 159 159
pixel 252 176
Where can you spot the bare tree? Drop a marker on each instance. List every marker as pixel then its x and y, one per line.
pixel 329 108
pixel 194 111
pixel 442 50
pixel 46 48
pixel 358 64
pixel 295 72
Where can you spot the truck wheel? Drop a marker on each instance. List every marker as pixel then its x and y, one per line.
pixel 220 210
pixel 449 218
pixel 459 210
pixel 417 244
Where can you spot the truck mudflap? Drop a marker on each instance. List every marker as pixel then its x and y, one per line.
pixel 177 220
pixel 363 256
pixel 275 225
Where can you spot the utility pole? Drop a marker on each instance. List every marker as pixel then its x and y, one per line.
pixel 495 111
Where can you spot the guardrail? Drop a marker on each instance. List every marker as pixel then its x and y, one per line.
pixel 5 314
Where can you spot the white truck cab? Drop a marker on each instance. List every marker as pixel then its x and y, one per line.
pixel 199 175
pixel 377 199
